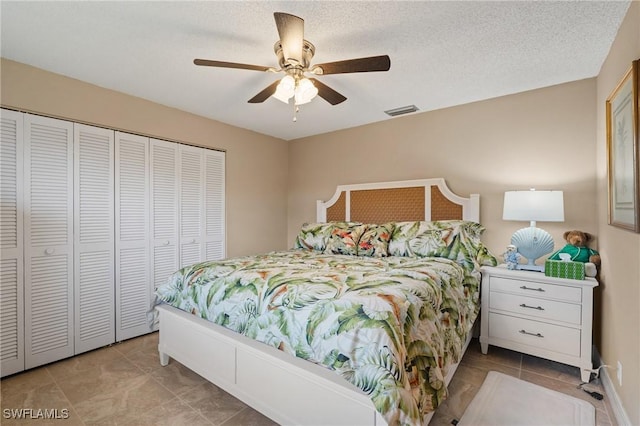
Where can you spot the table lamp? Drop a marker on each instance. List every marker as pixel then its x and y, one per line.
pixel 533 206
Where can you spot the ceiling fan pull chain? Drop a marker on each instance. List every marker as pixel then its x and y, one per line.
pixel 295 111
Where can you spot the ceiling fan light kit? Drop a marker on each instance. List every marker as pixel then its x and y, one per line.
pixel 294 55
pixel 301 90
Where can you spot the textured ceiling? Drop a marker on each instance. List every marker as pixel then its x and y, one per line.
pixel 442 53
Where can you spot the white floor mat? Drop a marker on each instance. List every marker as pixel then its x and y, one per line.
pixel 505 400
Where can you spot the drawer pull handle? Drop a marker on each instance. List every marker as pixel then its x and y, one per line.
pixel 524 287
pixel 531 334
pixel 540 308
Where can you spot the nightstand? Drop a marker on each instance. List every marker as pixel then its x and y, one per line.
pixel 538 315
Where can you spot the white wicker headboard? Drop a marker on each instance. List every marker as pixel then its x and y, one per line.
pixel 422 199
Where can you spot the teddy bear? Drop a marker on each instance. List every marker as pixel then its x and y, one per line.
pixel 576 250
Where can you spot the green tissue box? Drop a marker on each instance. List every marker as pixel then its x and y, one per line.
pixel 563 269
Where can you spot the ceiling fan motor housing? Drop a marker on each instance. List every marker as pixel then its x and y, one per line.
pixel 308 50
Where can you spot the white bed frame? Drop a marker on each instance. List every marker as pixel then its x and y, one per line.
pixel 289 390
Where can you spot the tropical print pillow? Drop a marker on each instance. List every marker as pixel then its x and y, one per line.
pixel 428 242
pixel 402 234
pixel 375 240
pixel 457 240
pixel 463 245
pixel 313 236
pixel 344 238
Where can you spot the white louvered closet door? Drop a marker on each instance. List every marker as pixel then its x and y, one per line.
pixel 164 210
pixel 191 204
pixel 214 181
pixel 133 277
pixel 11 243
pixel 48 240
pixel 94 237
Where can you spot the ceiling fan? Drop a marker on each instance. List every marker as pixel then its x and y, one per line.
pixel 294 57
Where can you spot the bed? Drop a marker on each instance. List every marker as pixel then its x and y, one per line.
pixel 363 322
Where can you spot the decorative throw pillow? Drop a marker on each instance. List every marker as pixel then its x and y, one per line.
pixel 344 238
pixel 375 240
pixel 314 236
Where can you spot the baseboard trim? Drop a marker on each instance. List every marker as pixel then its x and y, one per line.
pixel 622 419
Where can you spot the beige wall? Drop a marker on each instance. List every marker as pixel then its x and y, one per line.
pixel 620 275
pixel 256 165
pixel 543 139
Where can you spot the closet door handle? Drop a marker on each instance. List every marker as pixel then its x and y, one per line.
pixel 49 251
pixel 524 287
pixel 540 308
pixel 166 243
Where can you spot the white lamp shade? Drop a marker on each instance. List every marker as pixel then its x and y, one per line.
pixel 543 206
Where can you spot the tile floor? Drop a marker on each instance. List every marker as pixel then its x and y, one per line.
pixel 474 368
pixel 124 384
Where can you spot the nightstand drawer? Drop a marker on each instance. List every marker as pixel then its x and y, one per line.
pixel 535 307
pixel 537 289
pixel 541 335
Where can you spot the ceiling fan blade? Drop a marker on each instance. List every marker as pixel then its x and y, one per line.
pixel 372 63
pixel 291 32
pixel 208 63
pixel 264 95
pixel 327 93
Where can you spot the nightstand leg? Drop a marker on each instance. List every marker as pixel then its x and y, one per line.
pixel 484 347
pixel 164 359
pixel 585 375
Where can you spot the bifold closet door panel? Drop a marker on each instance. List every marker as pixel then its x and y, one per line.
pixel 48 224
pixel 133 277
pixel 214 227
pixel 94 237
pixel 165 259
pixel 11 243
pixel 191 205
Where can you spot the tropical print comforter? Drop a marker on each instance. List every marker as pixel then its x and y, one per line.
pixel 391 326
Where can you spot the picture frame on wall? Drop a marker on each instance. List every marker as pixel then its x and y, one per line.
pixel 623 155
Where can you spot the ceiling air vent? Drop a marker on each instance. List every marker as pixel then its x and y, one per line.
pixel 402 110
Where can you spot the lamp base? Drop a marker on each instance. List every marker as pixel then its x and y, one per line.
pixel 525 267
pixel 532 243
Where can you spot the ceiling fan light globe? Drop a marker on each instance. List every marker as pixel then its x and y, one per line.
pixel 285 90
pixel 281 97
pixel 305 91
pixel 288 83
pixel 306 96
